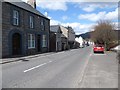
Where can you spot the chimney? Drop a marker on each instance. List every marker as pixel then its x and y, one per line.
pixel 46 14
pixel 32 3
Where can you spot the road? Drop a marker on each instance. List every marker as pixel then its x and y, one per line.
pixel 67 69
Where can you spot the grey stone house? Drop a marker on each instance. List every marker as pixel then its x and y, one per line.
pixel 64 38
pixel 55 38
pixel 71 37
pixel 68 37
pixel 25 30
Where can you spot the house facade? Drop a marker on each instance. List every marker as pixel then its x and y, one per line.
pixel 64 38
pixel 0 30
pixel 25 30
pixel 71 37
pixel 80 40
pixel 55 38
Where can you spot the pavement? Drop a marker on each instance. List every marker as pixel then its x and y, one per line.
pixel 117 47
pixel 23 58
pixel 101 72
pixel 68 69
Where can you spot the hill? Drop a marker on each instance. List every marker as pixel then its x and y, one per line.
pixel 86 35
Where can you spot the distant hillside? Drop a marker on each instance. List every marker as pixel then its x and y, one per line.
pixel 85 35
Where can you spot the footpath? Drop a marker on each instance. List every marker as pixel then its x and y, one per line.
pixel 8 60
pixel 101 72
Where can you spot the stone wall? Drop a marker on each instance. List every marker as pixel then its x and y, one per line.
pixel 0 29
pixel 23 28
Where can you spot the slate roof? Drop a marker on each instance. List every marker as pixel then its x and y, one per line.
pixel 25 6
pixel 54 28
pixel 63 36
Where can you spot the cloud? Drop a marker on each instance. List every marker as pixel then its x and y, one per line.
pixel 52 5
pixel 113 15
pixel 78 0
pixel 92 6
pixel 62 4
pixel 92 17
pixel 54 22
pixel 78 27
pixel 65 18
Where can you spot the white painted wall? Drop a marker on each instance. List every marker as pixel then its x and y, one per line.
pixel 80 40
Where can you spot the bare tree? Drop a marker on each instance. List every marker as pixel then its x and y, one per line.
pixel 104 33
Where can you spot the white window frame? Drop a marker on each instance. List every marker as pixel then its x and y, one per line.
pixel 44 41
pixel 31 22
pixel 42 24
pixel 31 41
pixel 15 17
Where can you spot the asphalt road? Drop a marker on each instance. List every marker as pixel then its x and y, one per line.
pixel 65 69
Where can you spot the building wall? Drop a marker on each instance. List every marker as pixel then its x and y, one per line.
pixel 8 29
pixel 71 34
pixel 58 42
pixel 55 41
pixel 52 42
pixel 64 31
pixel 0 30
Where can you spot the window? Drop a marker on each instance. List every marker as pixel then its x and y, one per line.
pixel 31 41
pixel 31 22
pixel 42 24
pixel 44 40
pixel 15 17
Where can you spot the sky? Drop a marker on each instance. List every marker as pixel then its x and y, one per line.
pixel 82 16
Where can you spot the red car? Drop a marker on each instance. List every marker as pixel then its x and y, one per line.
pixel 98 48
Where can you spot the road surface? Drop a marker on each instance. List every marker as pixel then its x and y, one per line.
pixel 67 69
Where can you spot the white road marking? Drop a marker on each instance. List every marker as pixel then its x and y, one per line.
pixel 36 67
pixel 83 71
pixel 98 54
pixel 51 54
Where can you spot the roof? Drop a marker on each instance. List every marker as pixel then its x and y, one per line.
pixel 25 6
pixel 63 36
pixel 54 28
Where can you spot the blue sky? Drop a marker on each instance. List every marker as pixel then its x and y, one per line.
pixel 81 16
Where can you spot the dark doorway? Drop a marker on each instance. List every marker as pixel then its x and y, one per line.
pixel 38 43
pixel 16 44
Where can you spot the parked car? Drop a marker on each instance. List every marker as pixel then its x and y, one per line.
pixel 98 48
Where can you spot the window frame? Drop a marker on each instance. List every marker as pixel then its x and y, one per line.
pixel 15 17
pixel 31 41
pixel 44 41
pixel 31 21
pixel 42 24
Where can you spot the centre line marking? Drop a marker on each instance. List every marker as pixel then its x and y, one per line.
pixel 36 67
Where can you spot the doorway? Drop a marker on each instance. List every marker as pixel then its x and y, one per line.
pixel 16 44
pixel 38 43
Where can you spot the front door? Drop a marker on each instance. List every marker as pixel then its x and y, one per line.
pixel 16 44
pixel 38 43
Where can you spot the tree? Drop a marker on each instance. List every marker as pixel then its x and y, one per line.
pixel 104 33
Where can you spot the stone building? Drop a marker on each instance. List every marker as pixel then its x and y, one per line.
pixel 25 30
pixel 55 38
pixel 71 37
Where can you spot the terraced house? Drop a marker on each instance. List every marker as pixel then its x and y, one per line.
pixel 25 30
